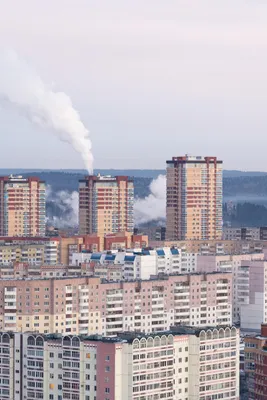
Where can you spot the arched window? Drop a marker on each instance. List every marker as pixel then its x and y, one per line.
pixel 66 341
pixel 150 342
pixel 202 335
pixel 215 334
pixel 5 338
pixel 75 341
pixel 156 341
pixel 221 333
pixel 233 331
pixel 163 340
pixel 170 339
pixel 143 343
pixel 209 335
pixel 136 344
pixel 31 341
pixel 227 332
pixel 39 341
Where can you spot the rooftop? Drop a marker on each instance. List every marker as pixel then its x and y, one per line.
pixel 128 337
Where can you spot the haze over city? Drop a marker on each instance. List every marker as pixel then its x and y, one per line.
pixel 146 77
pixel 133 200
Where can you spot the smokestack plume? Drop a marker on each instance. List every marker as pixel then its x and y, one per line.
pixel 152 207
pixel 66 207
pixel 22 88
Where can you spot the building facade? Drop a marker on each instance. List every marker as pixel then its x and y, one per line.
pixel 106 205
pixel 87 305
pixel 22 206
pixel 194 198
pixel 244 233
pixel 31 250
pixel 248 272
pixel 95 243
pixel 177 365
pixel 256 364
pixel 140 263
pixel 214 247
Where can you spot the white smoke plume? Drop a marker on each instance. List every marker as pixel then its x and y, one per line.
pixel 66 205
pixel 21 87
pixel 153 206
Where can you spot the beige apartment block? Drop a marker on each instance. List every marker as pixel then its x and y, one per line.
pixel 22 206
pixel 105 205
pixel 194 198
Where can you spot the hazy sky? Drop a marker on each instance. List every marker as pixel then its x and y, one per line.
pixel 150 78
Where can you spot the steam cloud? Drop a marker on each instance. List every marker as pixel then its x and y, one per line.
pixel 22 88
pixel 153 206
pixel 66 205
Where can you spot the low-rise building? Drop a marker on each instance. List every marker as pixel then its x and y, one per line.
pixel 141 263
pixel 241 233
pixel 96 243
pixel 34 251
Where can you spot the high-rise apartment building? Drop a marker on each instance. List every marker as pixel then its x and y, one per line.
pixel 22 206
pixel 184 363
pixel 194 198
pixel 105 204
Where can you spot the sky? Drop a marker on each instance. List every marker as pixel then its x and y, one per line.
pixel 151 79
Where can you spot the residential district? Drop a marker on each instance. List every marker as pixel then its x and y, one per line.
pixel 108 314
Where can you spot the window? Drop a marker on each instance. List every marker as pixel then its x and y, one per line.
pixel 107 358
pixel 107 390
pixel 107 369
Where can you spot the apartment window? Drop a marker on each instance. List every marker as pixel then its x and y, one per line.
pixel 107 358
pixel 107 390
pixel 107 369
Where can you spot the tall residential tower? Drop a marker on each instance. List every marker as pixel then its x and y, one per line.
pixel 194 198
pixel 22 206
pixel 105 204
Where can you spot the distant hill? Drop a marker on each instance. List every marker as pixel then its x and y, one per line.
pixel 139 173
pixel 236 173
